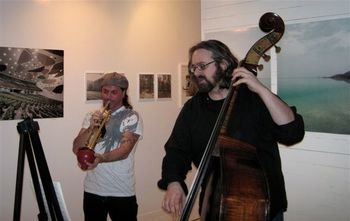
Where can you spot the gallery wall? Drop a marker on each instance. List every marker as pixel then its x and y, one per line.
pixel 97 36
pixel 153 37
pixel 317 169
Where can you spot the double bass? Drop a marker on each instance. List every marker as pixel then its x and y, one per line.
pixel 244 190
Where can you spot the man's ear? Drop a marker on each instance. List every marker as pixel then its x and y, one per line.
pixel 223 64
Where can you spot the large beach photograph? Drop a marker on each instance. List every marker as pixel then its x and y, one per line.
pixel 312 69
pixel 314 73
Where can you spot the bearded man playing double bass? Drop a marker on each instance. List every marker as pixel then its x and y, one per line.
pixel 259 118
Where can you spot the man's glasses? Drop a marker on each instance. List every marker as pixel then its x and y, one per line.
pixel 200 66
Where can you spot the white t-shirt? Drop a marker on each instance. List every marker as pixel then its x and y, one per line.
pixel 114 178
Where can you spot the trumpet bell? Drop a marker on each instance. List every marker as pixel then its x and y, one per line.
pixel 84 156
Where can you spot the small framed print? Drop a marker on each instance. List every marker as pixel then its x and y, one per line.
pixel 163 86
pixel 146 86
pixel 92 85
pixel 186 88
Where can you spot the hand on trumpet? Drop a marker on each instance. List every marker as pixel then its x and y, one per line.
pixel 98 159
pixel 96 119
pixel 98 116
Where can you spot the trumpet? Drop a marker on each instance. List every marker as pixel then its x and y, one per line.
pixel 86 154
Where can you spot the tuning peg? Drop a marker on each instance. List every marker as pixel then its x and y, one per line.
pixel 278 49
pixel 266 57
pixel 260 67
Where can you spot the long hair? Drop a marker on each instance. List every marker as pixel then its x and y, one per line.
pixel 126 100
pixel 221 53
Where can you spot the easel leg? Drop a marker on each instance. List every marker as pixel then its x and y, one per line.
pixel 19 181
pixel 42 216
pixel 31 145
pixel 46 180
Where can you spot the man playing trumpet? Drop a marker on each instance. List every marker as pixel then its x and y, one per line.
pixel 109 185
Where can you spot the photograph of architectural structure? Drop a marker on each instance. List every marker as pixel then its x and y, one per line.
pixel 31 83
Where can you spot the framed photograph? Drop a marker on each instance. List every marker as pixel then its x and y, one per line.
pixel 186 88
pixel 92 85
pixel 31 83
pixel 319 84
pixel 146 86
pixel 163 86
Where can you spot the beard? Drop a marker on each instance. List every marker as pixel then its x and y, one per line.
pixel 204 84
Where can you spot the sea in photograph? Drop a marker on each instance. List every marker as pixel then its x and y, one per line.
pixel 324 103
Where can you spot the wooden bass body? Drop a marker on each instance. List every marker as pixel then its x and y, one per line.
pixel 245 194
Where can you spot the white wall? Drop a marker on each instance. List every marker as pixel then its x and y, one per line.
pixel 127 36
pixel 153 36
pixel 316 170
